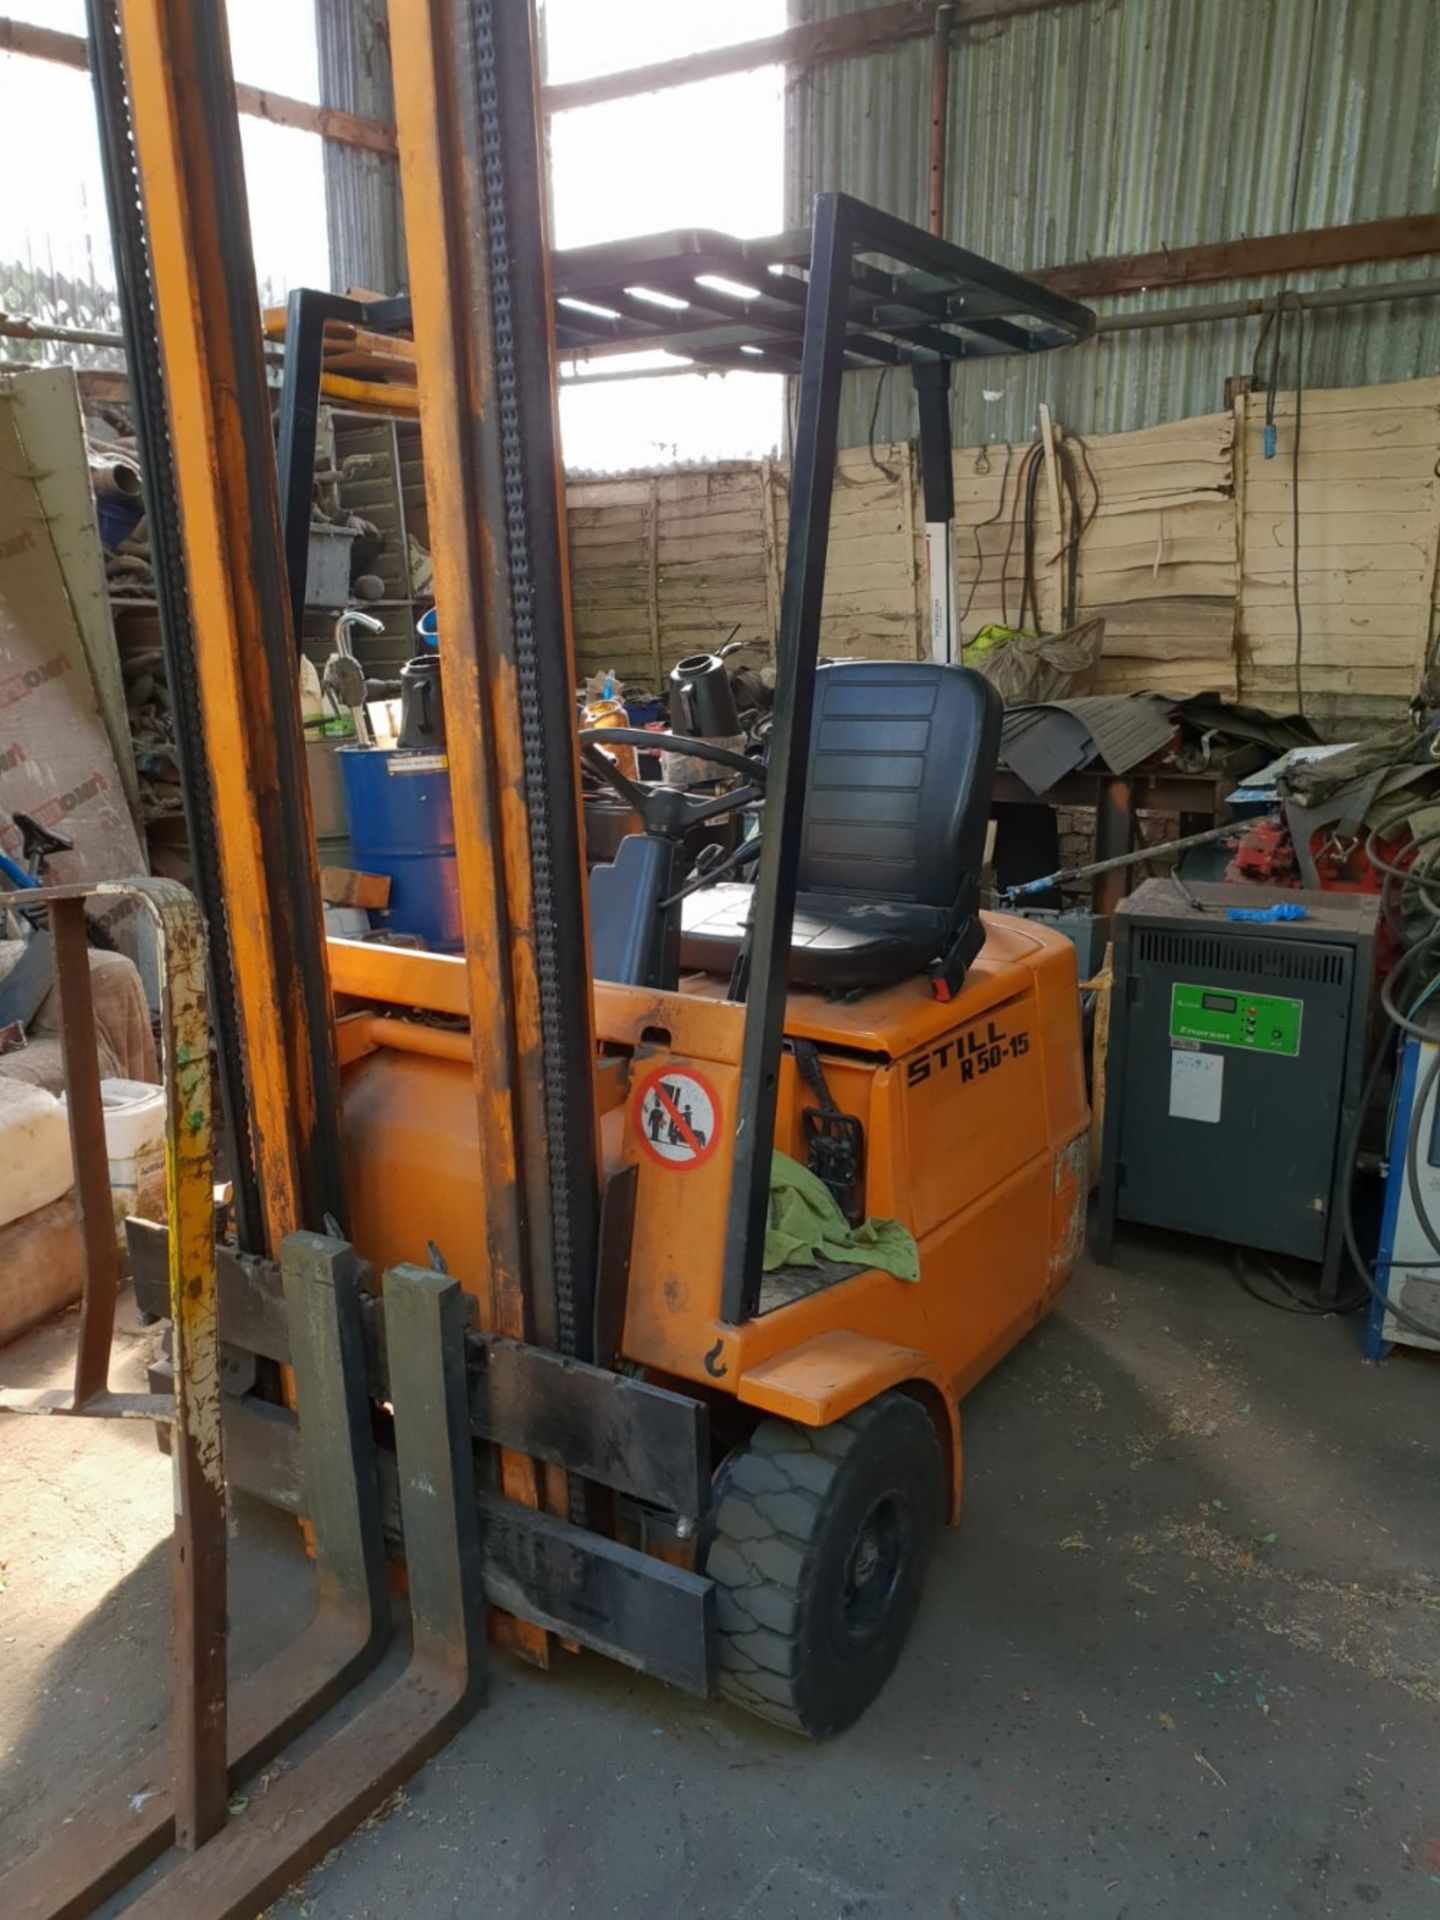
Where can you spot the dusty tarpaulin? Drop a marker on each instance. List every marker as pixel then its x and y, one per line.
pixel 59 676
pixel 1044 666
pixel 1402 755
pixel 1044 742
pixel 1040 745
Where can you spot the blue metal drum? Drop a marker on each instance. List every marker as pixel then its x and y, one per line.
pixel 402 825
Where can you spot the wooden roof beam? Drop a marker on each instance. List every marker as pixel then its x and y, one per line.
pixel 870 30
pixel 1403 236
pixel 259 103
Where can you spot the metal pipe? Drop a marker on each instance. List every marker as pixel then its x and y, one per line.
pixel 86 1114
pixel 939 115
pixel 1114 841
pixel 19 326
pixel 1162 850
pixel 412 1036
pixel 23 326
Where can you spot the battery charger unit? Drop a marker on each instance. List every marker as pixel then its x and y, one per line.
pixel 1236 1058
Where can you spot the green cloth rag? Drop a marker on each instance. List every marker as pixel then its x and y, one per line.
pixel 805 1226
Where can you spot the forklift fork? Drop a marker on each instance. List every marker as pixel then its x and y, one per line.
pixel 235 1868
pixel 319 1800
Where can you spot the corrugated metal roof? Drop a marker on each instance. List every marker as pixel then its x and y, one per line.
pixel 1121 126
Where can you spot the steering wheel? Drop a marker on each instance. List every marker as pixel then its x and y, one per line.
pixel 670 812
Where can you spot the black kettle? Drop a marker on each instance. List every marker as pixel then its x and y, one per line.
pixel 702 700
pixel 422 713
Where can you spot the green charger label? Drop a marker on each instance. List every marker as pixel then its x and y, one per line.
pixel 1258 1022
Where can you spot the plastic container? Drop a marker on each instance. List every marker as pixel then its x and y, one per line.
pixel 135 1146
pixel 35 1164
pixel 402 825
pixel 604 714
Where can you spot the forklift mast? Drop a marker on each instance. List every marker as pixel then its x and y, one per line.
pixel 467 88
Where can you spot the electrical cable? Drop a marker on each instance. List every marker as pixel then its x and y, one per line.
pixel 1423 1092
pixel 889 473
pixel 979 549
pixel 1029 592
pixel 1027 459
pixel 1084 446
pixel 1274 323
pixel 1408 875
pixel 1387 992
pixel 1405 1022
pixel 1295 506
pixel 1070 548
pixel 1294 1302
pixel 1072 543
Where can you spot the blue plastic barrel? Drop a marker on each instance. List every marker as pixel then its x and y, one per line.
pixel 402 825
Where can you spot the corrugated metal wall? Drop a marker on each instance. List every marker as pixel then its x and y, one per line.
pixel 362 190
pixel 1120 126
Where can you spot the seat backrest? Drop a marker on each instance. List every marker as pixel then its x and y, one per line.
pixel 902 762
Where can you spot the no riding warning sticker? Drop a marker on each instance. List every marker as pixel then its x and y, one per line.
pixel 677 1117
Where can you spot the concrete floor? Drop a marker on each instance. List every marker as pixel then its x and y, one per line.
pixel 1181 1661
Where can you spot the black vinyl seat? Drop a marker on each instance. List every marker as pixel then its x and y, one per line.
pixel 902 761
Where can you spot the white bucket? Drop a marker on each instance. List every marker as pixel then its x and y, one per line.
pixel 135 1148
pixel 135 1144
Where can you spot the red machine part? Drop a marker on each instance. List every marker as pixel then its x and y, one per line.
pixel 1266 857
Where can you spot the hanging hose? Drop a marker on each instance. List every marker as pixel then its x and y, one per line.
pixel 1070 552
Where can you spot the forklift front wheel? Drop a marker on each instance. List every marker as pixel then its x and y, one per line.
pixel 819 1553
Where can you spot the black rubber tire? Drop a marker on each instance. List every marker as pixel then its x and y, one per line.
pixel 807 1638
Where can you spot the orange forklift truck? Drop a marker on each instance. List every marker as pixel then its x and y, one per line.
pixel 851 1007
pixel 584 1145
pixel 494 1304
pixel 721 1475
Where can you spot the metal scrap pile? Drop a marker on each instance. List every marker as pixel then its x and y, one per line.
pixel 152 731
pixel 119 508
pixel 1354 817
pixel 115 478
